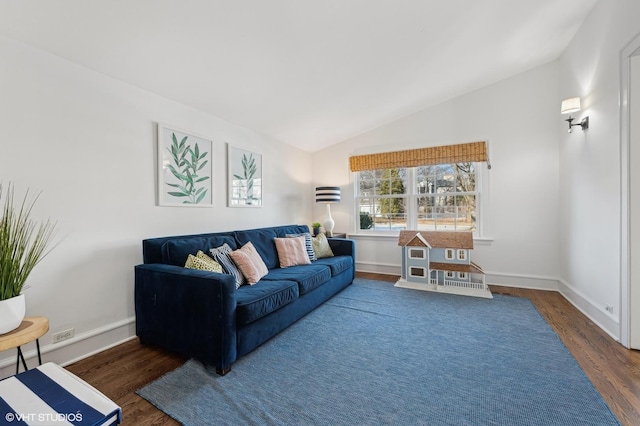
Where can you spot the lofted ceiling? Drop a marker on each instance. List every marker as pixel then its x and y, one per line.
pixel 307 73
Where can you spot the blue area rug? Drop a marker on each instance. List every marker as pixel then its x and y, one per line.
pixel 376 354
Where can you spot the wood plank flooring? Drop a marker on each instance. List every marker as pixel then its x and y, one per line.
pixel 614 370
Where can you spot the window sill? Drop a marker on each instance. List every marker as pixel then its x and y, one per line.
pixel 481 241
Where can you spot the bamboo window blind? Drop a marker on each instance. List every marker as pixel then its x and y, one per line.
pixel 460 153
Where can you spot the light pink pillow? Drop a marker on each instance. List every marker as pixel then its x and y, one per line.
pixel 292 251
pixel 250 263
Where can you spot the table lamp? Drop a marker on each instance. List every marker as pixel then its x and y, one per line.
pixel 328 195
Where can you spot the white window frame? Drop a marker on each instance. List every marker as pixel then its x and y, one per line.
pixel 449 274
pixel 422 251
pixel 412 268
pixel 449 253
pixel 411 199
pixel 462 254
pixel 462 275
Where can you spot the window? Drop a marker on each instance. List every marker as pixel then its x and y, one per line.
pixel 427 198
pixel 448 254
pixel 417 253
pixel 417 272
pixel 462 275
pixel 382 199
pixel 450 274
pixel 462 254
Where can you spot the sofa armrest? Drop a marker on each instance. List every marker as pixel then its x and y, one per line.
pixel 343 247
pixel 187 311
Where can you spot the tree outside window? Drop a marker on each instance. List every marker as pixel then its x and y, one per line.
pixel 382 199
pixel 446 197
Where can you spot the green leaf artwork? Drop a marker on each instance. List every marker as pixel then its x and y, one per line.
pixel 186 163
pixel 249 169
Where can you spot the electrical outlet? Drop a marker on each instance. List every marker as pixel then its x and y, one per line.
pixel 63 335
pixel 609 309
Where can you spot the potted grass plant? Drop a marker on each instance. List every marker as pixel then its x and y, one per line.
pixel 24 242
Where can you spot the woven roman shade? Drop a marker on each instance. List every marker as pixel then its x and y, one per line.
pixel 460 153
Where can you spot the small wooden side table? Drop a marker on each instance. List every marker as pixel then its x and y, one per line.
pixel 31 328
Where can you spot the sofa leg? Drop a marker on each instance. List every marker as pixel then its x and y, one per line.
pixel 222 371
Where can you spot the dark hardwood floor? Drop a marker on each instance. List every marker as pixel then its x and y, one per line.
pixel 613 370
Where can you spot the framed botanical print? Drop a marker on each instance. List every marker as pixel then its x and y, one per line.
pixel 184 168
pixel 245 177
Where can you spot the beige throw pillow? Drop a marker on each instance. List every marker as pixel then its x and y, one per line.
pixel 321 246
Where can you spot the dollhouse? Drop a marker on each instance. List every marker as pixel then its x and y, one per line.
pixel 440 261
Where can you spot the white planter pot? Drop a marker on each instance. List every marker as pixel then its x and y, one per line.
pixel 11 313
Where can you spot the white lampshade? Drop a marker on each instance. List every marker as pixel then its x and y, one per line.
pixel 570 105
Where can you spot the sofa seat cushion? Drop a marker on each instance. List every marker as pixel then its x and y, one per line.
pixel 176 251
pixel 308 277
pixel 257 301
pixel 337 264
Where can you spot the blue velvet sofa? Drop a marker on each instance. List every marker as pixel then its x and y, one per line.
pixel 203 315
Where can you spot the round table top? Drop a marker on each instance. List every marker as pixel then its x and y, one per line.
pixel 30 329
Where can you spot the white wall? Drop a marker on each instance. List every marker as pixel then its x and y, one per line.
pixel 520 119
pixel 590 162
pixel 88 143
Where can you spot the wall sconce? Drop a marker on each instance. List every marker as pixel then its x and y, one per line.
pixel 572 105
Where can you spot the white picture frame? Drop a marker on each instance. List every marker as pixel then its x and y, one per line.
pixel 245 184
pixel 185 173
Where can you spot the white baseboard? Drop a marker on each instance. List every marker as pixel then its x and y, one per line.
pixel 603 319
pixel 378 268
pixel 533 282
pixel 69 351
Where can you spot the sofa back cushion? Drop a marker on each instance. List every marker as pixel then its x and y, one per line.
pixel 177 250
pixel 174 250
pixel 152 248
pixel 282 231
pixel 262 240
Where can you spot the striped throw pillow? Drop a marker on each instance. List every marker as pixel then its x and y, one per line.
pixel 222 255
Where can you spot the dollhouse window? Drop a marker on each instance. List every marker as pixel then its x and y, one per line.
pixel 462 275
pixel 448 254
pixel 462 254
pixel 417 272
pixel 417 253
pixel 450 274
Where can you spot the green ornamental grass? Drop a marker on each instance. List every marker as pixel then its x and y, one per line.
pixel 24 242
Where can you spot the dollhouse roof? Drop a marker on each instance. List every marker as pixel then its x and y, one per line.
pixel 436 239
pixel 413 239
pixel 456 267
